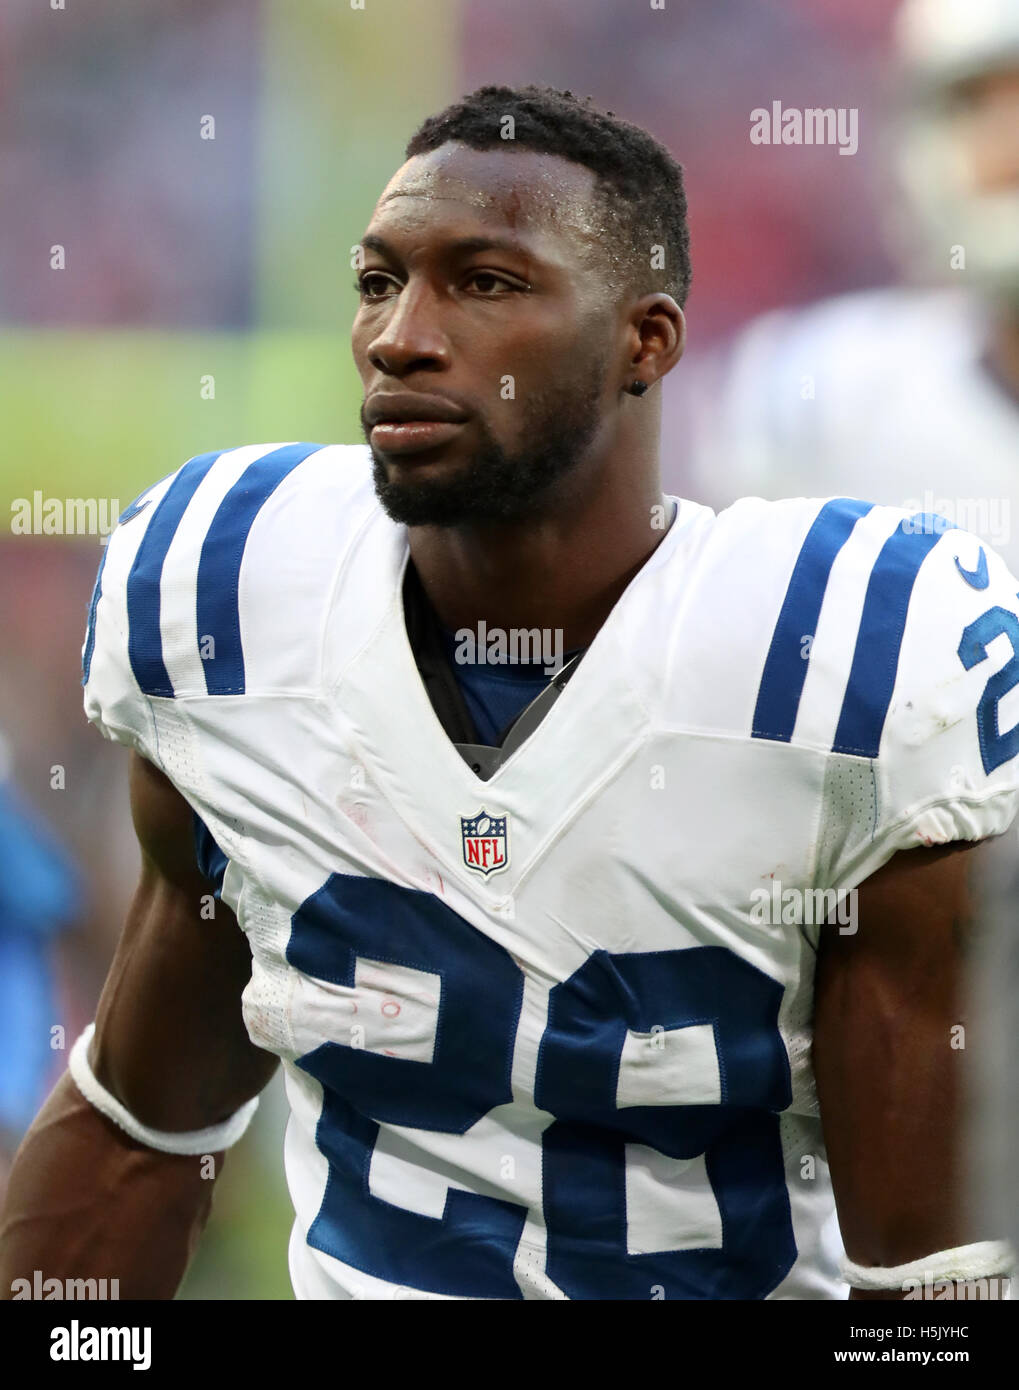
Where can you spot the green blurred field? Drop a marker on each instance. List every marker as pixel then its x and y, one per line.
pixel 104 414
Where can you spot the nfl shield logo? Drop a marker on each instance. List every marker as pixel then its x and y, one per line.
pixel 485 842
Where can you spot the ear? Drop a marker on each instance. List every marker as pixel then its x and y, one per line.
pixel 658 334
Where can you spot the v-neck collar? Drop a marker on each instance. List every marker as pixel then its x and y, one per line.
pixel 587 734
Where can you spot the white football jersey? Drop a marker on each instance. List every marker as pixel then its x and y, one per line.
pixel 548 1035
pixel 884 395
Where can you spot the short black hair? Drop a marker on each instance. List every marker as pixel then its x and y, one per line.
pixel 640 185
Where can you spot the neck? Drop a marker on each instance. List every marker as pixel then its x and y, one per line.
pixel 561 570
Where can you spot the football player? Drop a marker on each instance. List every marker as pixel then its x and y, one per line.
pixel 579 980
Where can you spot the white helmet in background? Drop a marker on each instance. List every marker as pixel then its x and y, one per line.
pixel 941 45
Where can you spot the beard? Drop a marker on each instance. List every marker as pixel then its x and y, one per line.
pixel 498 484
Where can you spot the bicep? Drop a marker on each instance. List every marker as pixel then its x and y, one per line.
pixel 889 1055
pixel 170 1039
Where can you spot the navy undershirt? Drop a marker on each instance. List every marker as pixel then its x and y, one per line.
pixel 496 694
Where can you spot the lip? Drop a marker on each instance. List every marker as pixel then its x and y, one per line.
pixel 410 407
pixel 413 436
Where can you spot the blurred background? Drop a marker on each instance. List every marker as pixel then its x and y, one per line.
pixel 181 184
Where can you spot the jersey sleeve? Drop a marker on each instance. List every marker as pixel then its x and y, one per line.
pixel 114 702
pixel 927 750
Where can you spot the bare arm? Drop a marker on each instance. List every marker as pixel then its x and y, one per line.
pixel 889 1079
pixel 84 1200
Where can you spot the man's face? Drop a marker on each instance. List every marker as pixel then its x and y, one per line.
pixel 986 115
pixel 959 164
pixel 484 300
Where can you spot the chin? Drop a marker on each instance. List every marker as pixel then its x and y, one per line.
pixel 412 495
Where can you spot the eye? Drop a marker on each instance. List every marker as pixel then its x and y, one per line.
pixel 489 284
pixel 374 284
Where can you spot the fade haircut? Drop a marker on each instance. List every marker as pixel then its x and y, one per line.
pixel 639 186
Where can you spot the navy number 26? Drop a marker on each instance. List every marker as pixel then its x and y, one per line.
pixel 468 1250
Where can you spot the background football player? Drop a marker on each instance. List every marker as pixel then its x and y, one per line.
pixel 40 898
pixel 907 395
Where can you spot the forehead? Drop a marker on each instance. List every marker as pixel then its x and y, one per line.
pixel 535 199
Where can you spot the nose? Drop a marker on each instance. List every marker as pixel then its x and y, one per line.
pixel 410 339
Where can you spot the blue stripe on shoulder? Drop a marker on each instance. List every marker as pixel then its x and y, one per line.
pixel 219 567
pixel 144 639
pixel 879 640
pixel 785 667
pixel 90 628
pixel 128 514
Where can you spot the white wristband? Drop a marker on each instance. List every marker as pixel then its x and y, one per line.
pixel 982 1260
pixel 197 1141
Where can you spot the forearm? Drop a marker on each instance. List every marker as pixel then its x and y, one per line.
pixel 890 1064
pixel 889 1088
pixel 85 1201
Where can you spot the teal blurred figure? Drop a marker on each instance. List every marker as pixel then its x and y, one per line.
pixel 40 893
